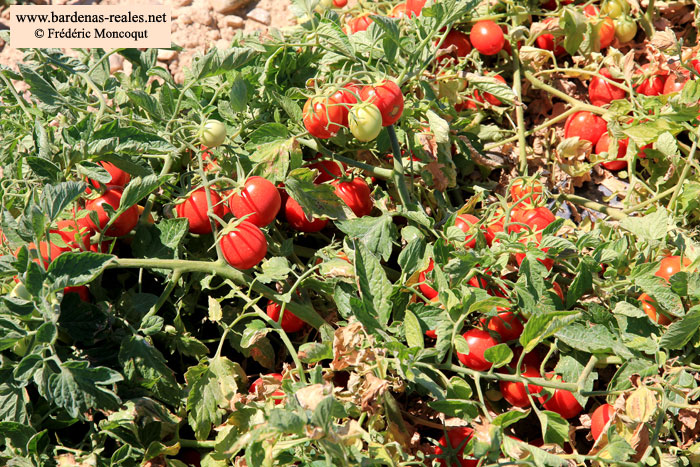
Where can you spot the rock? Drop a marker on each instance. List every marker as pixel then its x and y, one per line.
pixel 222 44
pixel 228 6
pixel 202 16
pixel 181 3
pixel 260 15
pixel 166 55
pixel 233 21
pixel 116 63
pixel 185 18
pixel 214 35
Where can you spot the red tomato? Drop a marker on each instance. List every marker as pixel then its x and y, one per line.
pixel 650 310
pixel 244 247
pixel 601 92
pixel 537 219
pixel 552 4
pixel 530 190
pixel 461 44
pixel 465 222
pixel 290 322
pixel 119 177
pixel 675 82
pixel 562 402
pixel 599 418
pixel 410 9
pixel 547 41
pixel 495 226
pixel 558 291
pixel 506 324
pixel 670 265
pixel 356 194
pixel 74 236
pixel 195 210
pixel 81 290
pixel 602 146
pixel 323 116
pixel 490 98
pixel 340 3
pixel 585 125
pixel 327 170
pixel 361 23
pixel 297 218
pixel 256 387
pixel 515 393
pixel 259 198
pixel 458 438
pixel 607 30
pixel 653 85
pixel 346 97
pixel 487 37
pixel 478 341
pixel 387 97
pixel 429 292
pixel 547 262
pixel 123 224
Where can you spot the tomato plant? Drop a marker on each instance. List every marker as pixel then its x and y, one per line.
pixel 323 116
pixel 585 125
pixel 365 121
pixel 356 194
pixel 297 218
pixel 601 91
pixel 477 341
pixel 289 323
pixel 457 438
pixel 121 225
pixel 387 97
pixel 600 418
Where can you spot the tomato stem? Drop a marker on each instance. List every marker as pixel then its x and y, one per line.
pixel 538 84
pixel 613 213
pixel 686 170
pixel 398 175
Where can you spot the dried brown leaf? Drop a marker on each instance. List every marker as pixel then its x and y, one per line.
pixel 372 388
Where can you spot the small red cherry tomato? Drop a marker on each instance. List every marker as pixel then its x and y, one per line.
pixel 650 310
pixel 290 322
pixel 258 383
pixel 387 96
pixel 356 194
pixel 244 247
pixel 562 402
pixel 602 146
pixel 671 265
pixel 425 288
pixel 297 218
pixel 585 125
pixel 323 116
pixel 259 198
pixel 599 418
pixel 506 324
pixel 478 341
pixel 458 438
pixel 465 223
pixel 487 37
pixel 195 207
pixel 601 92
pixel 123 224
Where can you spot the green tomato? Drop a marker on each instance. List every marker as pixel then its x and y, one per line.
pixel 213 133
pixel 614 8
pixel 365 121
pixel 625 29
pixel 323 5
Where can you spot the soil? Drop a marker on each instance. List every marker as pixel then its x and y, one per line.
pixel 196 26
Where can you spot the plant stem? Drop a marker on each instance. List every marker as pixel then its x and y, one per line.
pixel 221 269
pixel 398 175
pixel 684 174
pixel 643 204
pixel 561 95
pixel 519 112
pixel 613 213
pixel 547 124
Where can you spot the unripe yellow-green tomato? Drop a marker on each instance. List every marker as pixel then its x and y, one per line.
pixel 625 28
pixel 20 291
pixel 213 133
pixel 614 8
pixel 365 121
pixel 323 5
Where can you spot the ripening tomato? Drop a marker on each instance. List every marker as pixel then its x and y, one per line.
pixel 625 29
pixel 552 4
pixel 506 324
pixel 387 96
pixel 290 322
pixel 68 236
pixel 601 92
pixel 558 291
pixel 256 387
pixel 671 265
pixel 119 177
pixel 327 170
pixel 547 41
pixel 340 3
pixel 675 82
pixel 585 125
pixel 365 121
pixel 244 247
pixel 490 98
pixel 653 85
pixel 361 23
pixel 425 288
pixel 536 219
pixel 465 223
pixel 495 225
pixel 650 310
pixel 602 146
pixel 599 419
pixel 346 97
pixel 459 41
pixel 607 30
pixel 515 393
pixel 356 194
pixel 123 224
pixel 259 198
pixel 297 218
pixel 478 341
pixel 195 208
pixel 487 37
pixel 562 401
pixel 81 290
pixel 529 190
pixel 212 134
pixel 458 438
pixel 615 8
pixel 323 116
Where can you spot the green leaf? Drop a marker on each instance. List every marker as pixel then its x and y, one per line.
pixel 508 418
pixel 145 365
pixel 555 428
pixel 212 387
pixel 17 433
pixel 55 198
pixel 79 388
pixel 582 283
pixel 592 338
pixel 540 327
pixel 570 368
pixel 315 200
pixel 375 288
pixel 238 96
pixel 137 189
pixel 573 23
pixel 651 227
pixel 412 329
pixel 14 401
pixel 314 352
pixel 440 128
pixel 286 421
pixel 410 256
pixel 44 168
pixel 680 332
pixel 161 240
pixel 456 408
pixel 499 355
pixel 376 233
pixel 275 269
pixel 272 150
pixel 71 269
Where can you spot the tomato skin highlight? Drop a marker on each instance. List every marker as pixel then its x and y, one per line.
pixel 585 125
pixel 340 3
pixel 465 222
pixel 547 41
pixel 457 437
pixel 365 122
pixel 124 223
pixel 297 218
pixel 388 98
pixel 245 247
pixel 356 194
pixel 537 219
pixel 323 116
pixel 478 342
pixel 601 92
pixel 487 37
pixel 259 198
pixel 671 265
pixel 290 322
pixel 599 418
pixel 195 210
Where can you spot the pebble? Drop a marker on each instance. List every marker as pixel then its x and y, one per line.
pixel 233 21
pixel 202 16
pixel 228 6
pixel 260 15
pixel 181 3
pixel 166 55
